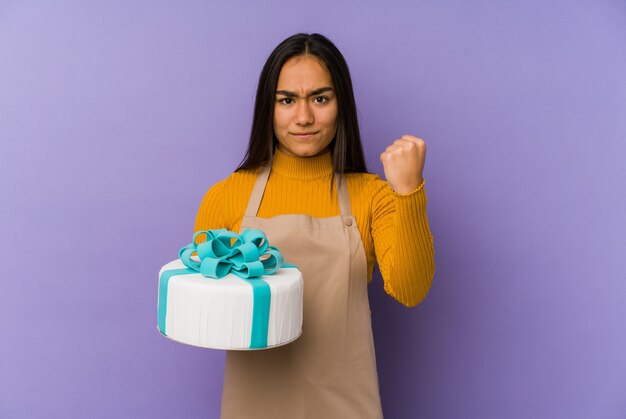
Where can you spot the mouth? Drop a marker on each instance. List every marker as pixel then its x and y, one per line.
pixel 304 134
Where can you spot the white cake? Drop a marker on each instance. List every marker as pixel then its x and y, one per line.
pixel 218 312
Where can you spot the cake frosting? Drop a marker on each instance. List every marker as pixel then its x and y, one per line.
pixel 234 309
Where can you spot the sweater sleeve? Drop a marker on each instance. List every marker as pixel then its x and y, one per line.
pixel 212 213
pixel 403 242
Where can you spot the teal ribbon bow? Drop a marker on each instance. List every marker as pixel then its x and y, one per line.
pixel 247 255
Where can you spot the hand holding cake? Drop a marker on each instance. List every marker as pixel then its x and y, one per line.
pixel 403 162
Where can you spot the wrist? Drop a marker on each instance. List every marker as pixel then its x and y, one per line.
pixel 407 188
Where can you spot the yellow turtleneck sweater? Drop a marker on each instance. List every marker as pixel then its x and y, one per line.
pixel 394 227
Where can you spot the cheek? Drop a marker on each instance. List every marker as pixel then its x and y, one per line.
pixel 329 117
pixel 279 119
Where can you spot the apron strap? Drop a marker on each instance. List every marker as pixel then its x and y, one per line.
pixel 259 189
pixel 343 197
pixel 257 192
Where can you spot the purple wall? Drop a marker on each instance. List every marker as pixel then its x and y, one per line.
pixel 116 117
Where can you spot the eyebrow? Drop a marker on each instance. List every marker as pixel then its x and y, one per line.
pixel 311 93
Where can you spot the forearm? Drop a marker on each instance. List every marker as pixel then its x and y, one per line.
pixel 406 258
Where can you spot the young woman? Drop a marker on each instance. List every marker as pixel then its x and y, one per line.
pixel 332 219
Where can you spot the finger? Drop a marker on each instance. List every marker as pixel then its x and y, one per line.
pixel 391 148
pixel 406 145
pixel 413 139
pixel 410 137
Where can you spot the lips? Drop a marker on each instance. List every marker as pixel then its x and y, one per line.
pixel 304 134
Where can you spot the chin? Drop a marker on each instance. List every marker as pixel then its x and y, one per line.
pixel 304 148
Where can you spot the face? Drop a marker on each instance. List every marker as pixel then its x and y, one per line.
pixel 305 104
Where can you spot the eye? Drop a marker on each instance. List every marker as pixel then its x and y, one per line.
pixel 285 98
pixel 322 97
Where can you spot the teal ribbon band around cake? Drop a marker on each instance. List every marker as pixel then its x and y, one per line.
pixel 247 255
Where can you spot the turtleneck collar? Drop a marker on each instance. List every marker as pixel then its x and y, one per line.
pixel 303 167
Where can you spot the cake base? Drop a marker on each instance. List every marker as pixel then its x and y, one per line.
pixel 233 349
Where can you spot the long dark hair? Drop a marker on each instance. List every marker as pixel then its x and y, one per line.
pixel 346 149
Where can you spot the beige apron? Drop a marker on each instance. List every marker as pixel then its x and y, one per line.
pixel 330 370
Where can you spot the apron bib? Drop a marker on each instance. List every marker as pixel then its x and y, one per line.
pixel 330 370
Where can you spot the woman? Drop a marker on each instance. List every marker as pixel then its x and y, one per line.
pixel 332 219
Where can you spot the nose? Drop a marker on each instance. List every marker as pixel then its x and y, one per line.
pixel 304 113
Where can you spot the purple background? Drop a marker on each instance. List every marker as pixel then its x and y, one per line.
pixel 117 116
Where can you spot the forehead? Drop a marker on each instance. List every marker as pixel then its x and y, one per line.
pixel 303 73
